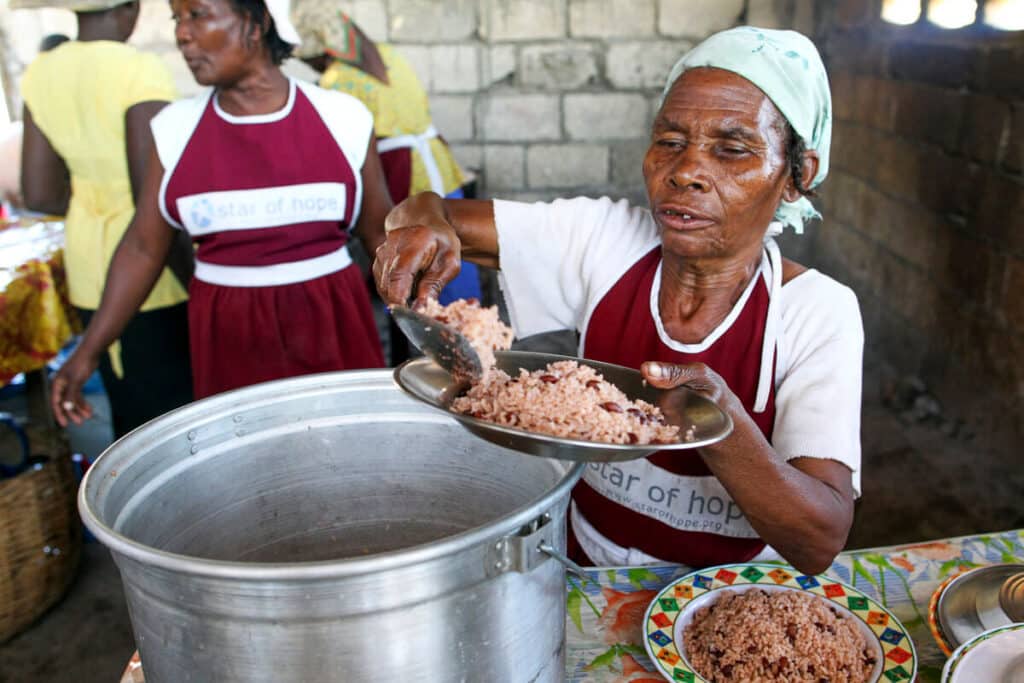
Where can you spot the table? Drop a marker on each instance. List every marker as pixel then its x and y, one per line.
pixel 36 317
pixel 603 627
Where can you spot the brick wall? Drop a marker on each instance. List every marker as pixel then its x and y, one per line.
pixel 925 205
pixel 540 98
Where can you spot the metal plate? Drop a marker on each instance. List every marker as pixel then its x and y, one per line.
pixel 970 604
pixel 426 381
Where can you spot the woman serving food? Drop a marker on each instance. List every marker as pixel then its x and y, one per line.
pixel 693 292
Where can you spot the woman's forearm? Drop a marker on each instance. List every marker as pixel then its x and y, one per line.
pixel 801 516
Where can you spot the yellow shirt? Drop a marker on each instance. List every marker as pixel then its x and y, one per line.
pixel 399 107
pixel 78 94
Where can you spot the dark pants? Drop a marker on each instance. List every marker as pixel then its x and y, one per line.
pixel 157 375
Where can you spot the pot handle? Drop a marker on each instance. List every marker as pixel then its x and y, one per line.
pixel 527 549
pixel 557 554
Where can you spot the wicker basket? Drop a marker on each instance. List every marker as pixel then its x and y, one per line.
pixel 40 542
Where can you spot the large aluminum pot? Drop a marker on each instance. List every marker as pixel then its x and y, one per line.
pixel 328 528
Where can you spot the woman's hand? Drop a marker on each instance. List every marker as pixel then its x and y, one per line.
pixel 66 391
pixel 696 377
pixel 422 252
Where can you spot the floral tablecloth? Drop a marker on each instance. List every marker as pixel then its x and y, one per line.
pixel 36 317
pixel 603 628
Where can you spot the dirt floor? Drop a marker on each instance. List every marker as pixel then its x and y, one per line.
pixel 925 477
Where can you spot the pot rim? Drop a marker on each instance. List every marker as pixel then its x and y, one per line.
pixel 208 409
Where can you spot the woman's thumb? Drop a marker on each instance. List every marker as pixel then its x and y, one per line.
pixel 664 375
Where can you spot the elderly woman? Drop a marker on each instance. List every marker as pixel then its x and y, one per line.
pixel 268 176
pixel 695 293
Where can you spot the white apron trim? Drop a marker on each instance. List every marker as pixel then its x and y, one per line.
pixel 771 328
pixel 605 552
pixel 421 143
pixel 274 275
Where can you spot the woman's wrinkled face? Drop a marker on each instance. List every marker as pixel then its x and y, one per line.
pixel 217 43
pixel 716 167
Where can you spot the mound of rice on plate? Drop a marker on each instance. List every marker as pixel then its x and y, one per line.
pixel 755 636
pixel 565 399
pixel 569 400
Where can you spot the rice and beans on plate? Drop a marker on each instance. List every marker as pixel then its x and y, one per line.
pixel 565 399
pixel 755 636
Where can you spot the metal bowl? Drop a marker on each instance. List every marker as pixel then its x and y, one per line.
pixel 970 603
pixel 428 382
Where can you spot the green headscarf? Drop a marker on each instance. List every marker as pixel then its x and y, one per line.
pixel 786 66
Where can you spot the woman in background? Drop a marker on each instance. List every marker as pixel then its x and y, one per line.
pixel 414 156
pixel 88 104
pixel 268 176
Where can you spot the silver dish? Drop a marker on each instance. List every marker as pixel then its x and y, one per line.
pixel 426 381
pixel 970 605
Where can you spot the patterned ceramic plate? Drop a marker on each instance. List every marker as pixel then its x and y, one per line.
pixel 675 605
pixel 996 656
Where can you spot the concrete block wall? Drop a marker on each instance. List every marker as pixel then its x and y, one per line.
pixel 539 98
pixel 924 208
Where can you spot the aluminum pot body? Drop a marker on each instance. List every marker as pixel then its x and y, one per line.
pixel 328 528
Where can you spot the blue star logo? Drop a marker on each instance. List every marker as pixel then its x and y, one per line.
pixel 202 213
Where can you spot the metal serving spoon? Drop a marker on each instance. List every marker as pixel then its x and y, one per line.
pixel 442 343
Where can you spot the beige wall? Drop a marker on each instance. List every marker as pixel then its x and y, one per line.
pixel 539 97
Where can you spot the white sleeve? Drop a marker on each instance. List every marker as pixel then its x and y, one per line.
pixel 172 128
pixel 818 386
pixel 348 120
pixel 559 259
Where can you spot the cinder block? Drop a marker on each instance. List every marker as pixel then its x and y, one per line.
pixel 643 65
pixel 769 14
pixel 432 21
pixel 522 19
pixel 697 18
pixel 566 166
pixel 611 18
pixel 558 67
pixel 612 116
pixel 499 64
pixel 419 57
pixel 372 17
pixel 987 128
pixel 1015 147
pixel 470 157
pixel 627 160
pixel 518 118
pixel 927 113
pixel 453 116
pixel 504 167
pixel 454 68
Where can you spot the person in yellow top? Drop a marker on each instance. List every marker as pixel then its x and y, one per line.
pixel 414 155
pixel 88 103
